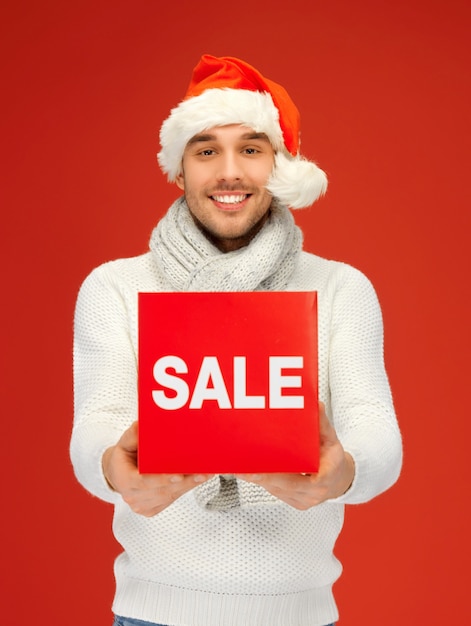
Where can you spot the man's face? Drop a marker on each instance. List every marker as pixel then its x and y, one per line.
pixel 225 170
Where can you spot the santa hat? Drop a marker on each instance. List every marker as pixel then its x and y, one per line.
pixel 226 90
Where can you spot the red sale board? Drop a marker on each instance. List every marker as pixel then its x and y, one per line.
pixel 228 382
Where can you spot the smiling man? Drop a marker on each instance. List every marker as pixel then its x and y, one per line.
pixel 225 550
pixel 224 176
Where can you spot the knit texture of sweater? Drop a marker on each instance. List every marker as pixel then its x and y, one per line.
pixel 263 563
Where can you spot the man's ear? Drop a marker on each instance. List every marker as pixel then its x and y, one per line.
pixel 180 182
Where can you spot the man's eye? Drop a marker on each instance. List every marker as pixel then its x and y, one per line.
pixel 250 150
pixel 207 152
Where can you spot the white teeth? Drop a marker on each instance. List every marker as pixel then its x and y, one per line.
pixel 230 199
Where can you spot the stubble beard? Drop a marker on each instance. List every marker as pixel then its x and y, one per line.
pixel 230 240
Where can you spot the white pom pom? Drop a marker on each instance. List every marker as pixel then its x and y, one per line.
pixel 296 182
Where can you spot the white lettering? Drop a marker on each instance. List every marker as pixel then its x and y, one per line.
pixel 210 370
pixel 169 381
pixel 278 382
pixel 241 399
pixel 210 384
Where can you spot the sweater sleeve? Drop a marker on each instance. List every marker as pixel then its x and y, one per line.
pixel 361 400
pixel 105 375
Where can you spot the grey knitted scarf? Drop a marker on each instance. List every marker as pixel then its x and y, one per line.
pixel 190 262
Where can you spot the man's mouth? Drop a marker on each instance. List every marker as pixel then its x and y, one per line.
pixel 229 198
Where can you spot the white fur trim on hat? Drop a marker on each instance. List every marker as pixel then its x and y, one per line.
pixel 295 181
pixel 215 107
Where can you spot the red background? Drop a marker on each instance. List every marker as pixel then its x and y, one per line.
pixel 383 89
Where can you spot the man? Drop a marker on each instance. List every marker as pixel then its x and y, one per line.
pixel 194 556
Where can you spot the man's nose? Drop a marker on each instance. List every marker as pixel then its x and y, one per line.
pixel 229 167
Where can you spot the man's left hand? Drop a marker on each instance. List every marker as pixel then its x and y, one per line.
pixel 303 491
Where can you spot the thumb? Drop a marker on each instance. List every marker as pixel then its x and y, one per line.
pixel 327 432
pixel 129 439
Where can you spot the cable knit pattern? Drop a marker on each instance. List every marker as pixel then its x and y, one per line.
pixel 264 563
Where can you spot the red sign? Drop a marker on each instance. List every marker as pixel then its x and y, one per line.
pixel 228 382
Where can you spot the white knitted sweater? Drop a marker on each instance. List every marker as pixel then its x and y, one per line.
pixel 265 563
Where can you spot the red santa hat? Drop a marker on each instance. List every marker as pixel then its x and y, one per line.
pixel 226 90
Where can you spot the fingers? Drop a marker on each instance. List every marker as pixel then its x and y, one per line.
pixel 152 493
pixel 149 495
pixel 294 483
pixel 297 490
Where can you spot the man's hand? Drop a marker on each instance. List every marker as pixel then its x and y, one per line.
pixel 336 473
pixel 146 494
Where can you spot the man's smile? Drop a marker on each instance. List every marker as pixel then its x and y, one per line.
pixel 230 199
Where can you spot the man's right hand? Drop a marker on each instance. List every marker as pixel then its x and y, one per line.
pixel 146 494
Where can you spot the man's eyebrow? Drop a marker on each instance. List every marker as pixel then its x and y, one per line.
pixel 254 135
pixel 202 137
